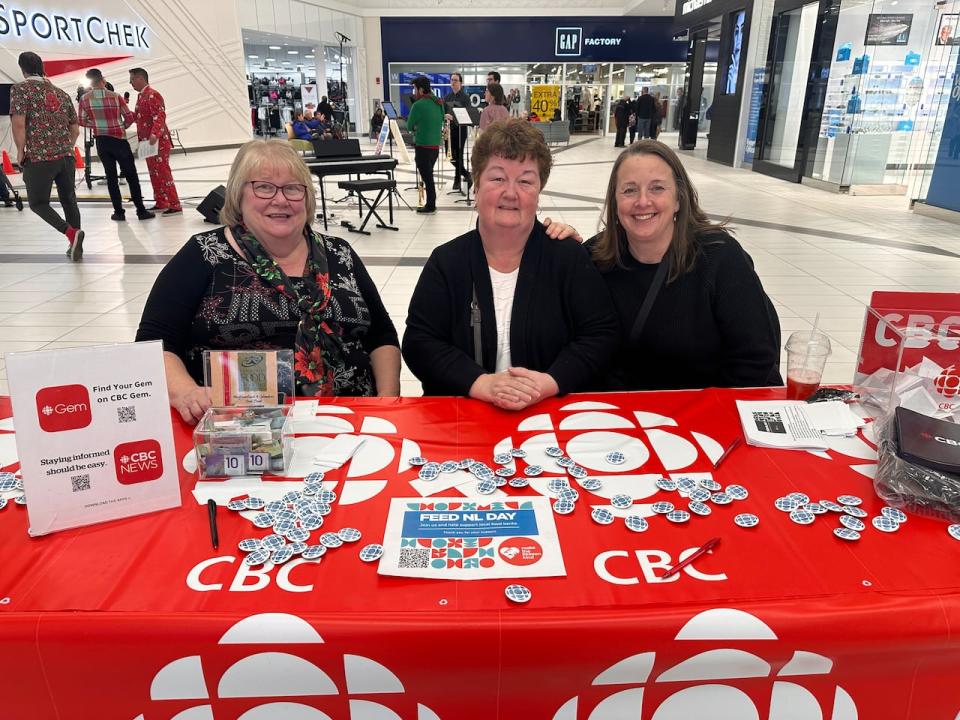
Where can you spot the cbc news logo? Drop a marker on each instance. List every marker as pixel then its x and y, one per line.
pixel 137 462
pixel 63 407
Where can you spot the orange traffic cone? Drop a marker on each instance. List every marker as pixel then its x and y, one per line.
pixel 78 158
pixel 7 165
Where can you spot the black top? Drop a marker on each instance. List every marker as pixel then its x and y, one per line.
pixel 562 321
pixel 711 327
pixel 646 106
pixel 208 297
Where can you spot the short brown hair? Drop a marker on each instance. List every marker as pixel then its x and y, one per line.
pixel 278 154
pixel 512 139
pixel 691 221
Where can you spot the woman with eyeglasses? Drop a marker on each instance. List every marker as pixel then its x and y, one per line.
pixel 267 280
pixel 692 311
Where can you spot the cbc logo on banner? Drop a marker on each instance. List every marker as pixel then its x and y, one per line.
pixel 63 407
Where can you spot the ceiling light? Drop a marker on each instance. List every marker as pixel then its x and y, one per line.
pixel 275 47
pixel 253 57
pixel 293 52
pixel 309 57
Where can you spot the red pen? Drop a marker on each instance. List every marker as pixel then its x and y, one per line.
pixel 730 448
pixel 708 546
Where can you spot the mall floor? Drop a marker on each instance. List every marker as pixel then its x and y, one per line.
pixel 816 253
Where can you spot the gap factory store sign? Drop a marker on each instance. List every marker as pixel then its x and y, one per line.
pixel 570 41
pixel 31 24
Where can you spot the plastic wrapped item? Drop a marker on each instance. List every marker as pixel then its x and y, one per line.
pixel 909 485
pixel 232 441
pixel 249 377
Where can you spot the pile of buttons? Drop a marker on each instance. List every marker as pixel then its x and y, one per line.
pixel 11 483
pixel 292 519
pixel 847 510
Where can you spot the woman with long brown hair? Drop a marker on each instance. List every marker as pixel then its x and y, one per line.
pixel 692 310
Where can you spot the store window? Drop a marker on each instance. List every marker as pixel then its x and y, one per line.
pixel 279 69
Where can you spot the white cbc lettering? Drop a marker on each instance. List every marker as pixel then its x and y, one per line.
pixel 649 560
pixel 15 22
pixel 946 441
pixel 920 331
pixel 239 584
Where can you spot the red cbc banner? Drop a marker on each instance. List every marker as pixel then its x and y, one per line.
pixel 929 322
pixel 141 619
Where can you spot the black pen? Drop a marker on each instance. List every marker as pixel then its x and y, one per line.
pixel 730 448
pixel 212 514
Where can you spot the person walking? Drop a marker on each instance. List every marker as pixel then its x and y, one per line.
pixel 621 116
pixel 425 121
pixel 109 116
pixel 646 112
pixel 151 117
pixel 45 129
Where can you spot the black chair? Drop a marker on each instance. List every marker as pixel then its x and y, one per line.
pixel 385 187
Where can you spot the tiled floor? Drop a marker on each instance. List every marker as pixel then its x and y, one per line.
pixel 817 253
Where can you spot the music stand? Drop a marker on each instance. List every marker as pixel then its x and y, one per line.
pixel 466 120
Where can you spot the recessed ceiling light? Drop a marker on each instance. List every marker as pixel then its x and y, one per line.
pixel 309 57
pixel 293 52
pixel 253 57
pixel 275 47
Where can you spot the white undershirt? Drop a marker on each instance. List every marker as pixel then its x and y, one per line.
pixel 504 288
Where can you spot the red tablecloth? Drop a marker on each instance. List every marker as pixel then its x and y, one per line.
pixel 141 617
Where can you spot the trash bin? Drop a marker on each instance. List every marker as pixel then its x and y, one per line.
pixel 688 131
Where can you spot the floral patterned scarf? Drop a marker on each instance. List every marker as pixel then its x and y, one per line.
pixel 318 350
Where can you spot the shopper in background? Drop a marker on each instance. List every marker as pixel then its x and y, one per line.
pixel 45 128
pixel 493 77
pixel 107 114
pixel 632 120
pixel 711 324
pixel 425 121
pixel 325 109
pixel 152 126
pixel 646 112
pixel 457 98
pixel 376 122
pixel 505 314
pixel 621 118
pixel 267 280
pixel 301 130
pixel 496 108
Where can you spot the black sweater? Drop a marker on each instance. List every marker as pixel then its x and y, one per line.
pixel 562 322
pixel 711 327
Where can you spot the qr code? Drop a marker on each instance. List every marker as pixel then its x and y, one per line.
pixel 80 483
pixel 414 558
pixel 770 422
pixel 127 413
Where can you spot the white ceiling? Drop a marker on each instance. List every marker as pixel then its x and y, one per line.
pixel 516 8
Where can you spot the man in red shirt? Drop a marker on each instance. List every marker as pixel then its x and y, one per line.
pixel 152 126
pixel 44 130
pixel 108 115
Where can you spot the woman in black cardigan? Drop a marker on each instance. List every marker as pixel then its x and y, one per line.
pixel 503 313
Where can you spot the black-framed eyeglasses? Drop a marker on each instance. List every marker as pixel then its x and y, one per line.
pixel 268 190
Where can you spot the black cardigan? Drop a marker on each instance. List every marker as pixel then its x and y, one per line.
pixel 563 320
pixel 713 326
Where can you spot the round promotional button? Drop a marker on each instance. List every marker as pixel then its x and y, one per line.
pixel 518 482
pixel 564 462
pixel 250 544
pixel 503 458
pixel 316 477
pixel 802 517
pixel 846 533
pixel 371 552
pixel 486 487
pixel 278 557
pixel 449 466
pixel 298 534
pixel 720 498
pixel 331 540
pixel 517 593
pixel 465 464
pixel 621 501
pixel 263 520
pixel 348 534
pixel 272 542
pixel 556 484
pixel 564 507
pixel 849 500
pixel 500 481
pixel 786 504
pixel 590 484
pixel 298 547
pixel 709 484
pixel 954 531
pixel 737 492
pixel 885 524
pixel 666 484
pixel 636 523
pixel 699 508
pixel 616 458
pixel 799 497
pixel 553 451
pixel 568 494
pixel 232 505
pixel 662 508
pixel 699 494
pixel 289 497
pixel 831 506
pixel 313 552
pixel 505 472
pixel 274 506
pixel 258 557
pixel 746 520
pixel 601 516
pixel 533 471
pixel 816 508
pixel 855 511
pixel 416 461
pixel 687 484
pixel 895 514
pixel 428 473
pixel 577 472
pixel 678 516
pixel 852 523
pixel 518 453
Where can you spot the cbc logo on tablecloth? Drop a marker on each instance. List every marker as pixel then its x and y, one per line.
pixel 63 407
pixel 292 663
pixel 138 461
pixel 721 682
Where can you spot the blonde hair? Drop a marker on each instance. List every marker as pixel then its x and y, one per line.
pixel 252 157
pixel 690 224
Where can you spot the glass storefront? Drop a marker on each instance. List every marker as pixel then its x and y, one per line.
pixel 588 86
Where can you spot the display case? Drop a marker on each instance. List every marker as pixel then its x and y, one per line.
pixel 232 441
